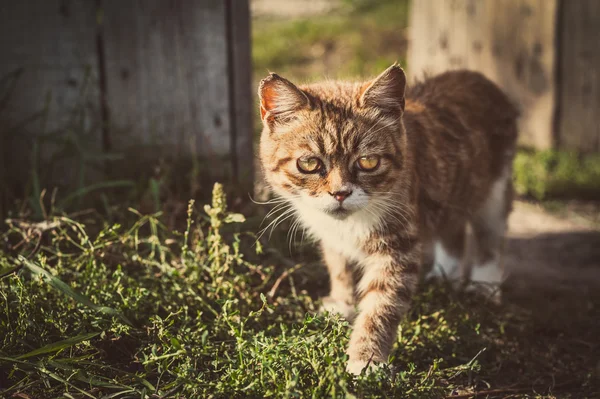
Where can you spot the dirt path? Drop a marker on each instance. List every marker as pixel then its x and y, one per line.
pixel 552 252
pixel 554 289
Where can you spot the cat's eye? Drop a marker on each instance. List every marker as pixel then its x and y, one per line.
pixel 309 165
pixel 368 163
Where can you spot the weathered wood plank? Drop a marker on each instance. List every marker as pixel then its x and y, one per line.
pixel 579 76
pixel 48 95
pixel 510 41
pixel 240 75
pixel 172 74
pixel 167 76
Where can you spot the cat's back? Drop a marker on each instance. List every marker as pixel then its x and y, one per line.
pixel 463 130
pixel 459 121
pixel 466 95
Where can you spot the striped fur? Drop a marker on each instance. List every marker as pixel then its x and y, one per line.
pixel 443 146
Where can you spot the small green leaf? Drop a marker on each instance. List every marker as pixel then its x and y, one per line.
pixel 175 343
pixel 235 218
pixel 57 346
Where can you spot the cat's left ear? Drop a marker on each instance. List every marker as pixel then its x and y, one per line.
pixel 386 91
pixel 280 99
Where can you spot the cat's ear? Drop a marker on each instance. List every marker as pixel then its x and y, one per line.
pixel 279 99
pixel 386 91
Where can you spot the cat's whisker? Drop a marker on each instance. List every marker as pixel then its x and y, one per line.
pixel 389 212
pixel 291 214
pixel 268 202
pixel 275 200
pixel 290 234
pixel 271 202
pixel 385 212
pixel 388 202
pixel 403 212
pixel 281 207
pixel 296 225
pixel 400 213
pixel 302 237
pixel 379 220
pixel 276 208
pixel 285 214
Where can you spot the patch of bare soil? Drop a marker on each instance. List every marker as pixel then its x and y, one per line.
pixel 554 252
pixel 554 289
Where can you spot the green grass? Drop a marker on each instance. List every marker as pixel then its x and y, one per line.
pixel 557 174
pixel 357 40
pixel 135 310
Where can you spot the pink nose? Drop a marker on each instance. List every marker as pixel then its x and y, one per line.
pixel 341 195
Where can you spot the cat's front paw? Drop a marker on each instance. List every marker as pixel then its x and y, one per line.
pixel 332 305
pixel 357 366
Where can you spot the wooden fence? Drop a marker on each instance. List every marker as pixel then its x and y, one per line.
pixel 136 78
pixel 543 52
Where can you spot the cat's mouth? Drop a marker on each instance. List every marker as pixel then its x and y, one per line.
pixel 339 213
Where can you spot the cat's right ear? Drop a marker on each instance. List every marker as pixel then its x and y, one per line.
pixel 280 99
pixel 385 92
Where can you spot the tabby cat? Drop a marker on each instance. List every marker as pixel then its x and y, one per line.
pixel 384 178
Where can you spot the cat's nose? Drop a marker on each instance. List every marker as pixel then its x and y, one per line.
pixel 340 196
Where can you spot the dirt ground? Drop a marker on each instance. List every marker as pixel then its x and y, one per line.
pixel 549 251
pixel 554 286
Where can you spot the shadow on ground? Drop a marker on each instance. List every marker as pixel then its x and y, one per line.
pixel 544 339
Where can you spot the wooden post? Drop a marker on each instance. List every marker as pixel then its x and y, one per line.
pixel 150 79
pixel 48 91
pixel 579 76
pixel 240 94
pixel 511 41
pixel 177 81
pixel 167 75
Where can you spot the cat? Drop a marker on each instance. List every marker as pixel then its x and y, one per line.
pixel 385 178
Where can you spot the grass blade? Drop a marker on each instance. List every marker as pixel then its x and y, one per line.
pixel 61 286
pixel 8 270
pixel 98 186
pixel 57 346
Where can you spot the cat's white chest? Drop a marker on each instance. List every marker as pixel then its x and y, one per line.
pixel 344 236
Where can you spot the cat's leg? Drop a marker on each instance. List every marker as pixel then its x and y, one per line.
pixel 341 295
pixel 385 291
pixel 449 255
pixel 489 229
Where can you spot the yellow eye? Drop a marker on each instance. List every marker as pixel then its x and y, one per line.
pixel 368 163
pixel 309 165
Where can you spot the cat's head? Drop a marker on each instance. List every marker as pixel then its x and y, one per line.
pixel 334 147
